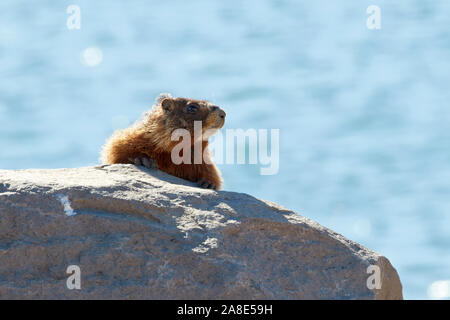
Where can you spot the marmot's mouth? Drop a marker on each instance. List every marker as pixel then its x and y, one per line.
pixel 215 120
pixel 221 123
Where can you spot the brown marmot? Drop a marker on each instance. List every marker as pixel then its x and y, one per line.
pixel 148 142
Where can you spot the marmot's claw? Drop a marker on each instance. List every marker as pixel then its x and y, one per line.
pixel 137 161
pixel 206 185
pixel 146 162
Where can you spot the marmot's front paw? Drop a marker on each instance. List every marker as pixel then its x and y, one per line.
pixel 206 184
pixel 145 161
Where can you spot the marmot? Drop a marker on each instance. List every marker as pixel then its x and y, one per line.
pixel 148 142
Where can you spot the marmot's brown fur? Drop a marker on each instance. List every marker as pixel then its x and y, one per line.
pixel 148 142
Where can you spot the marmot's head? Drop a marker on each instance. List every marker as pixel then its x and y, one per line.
pixel 182 112
pixel 171 113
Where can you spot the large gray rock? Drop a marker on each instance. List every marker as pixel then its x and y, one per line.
pixel 140 234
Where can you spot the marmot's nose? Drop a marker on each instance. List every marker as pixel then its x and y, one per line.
pixel 222 113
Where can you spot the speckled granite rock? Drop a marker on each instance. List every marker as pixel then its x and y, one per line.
pixel 141 234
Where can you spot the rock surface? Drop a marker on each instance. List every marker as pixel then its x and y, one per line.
pixel 141 234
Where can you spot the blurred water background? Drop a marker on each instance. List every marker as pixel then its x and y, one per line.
pixel 363 114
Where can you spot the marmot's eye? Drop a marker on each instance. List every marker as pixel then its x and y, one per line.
pixel 192 108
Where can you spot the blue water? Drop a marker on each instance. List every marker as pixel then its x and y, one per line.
pixel 363 114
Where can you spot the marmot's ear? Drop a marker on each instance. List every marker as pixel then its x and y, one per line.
pixel 167 104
